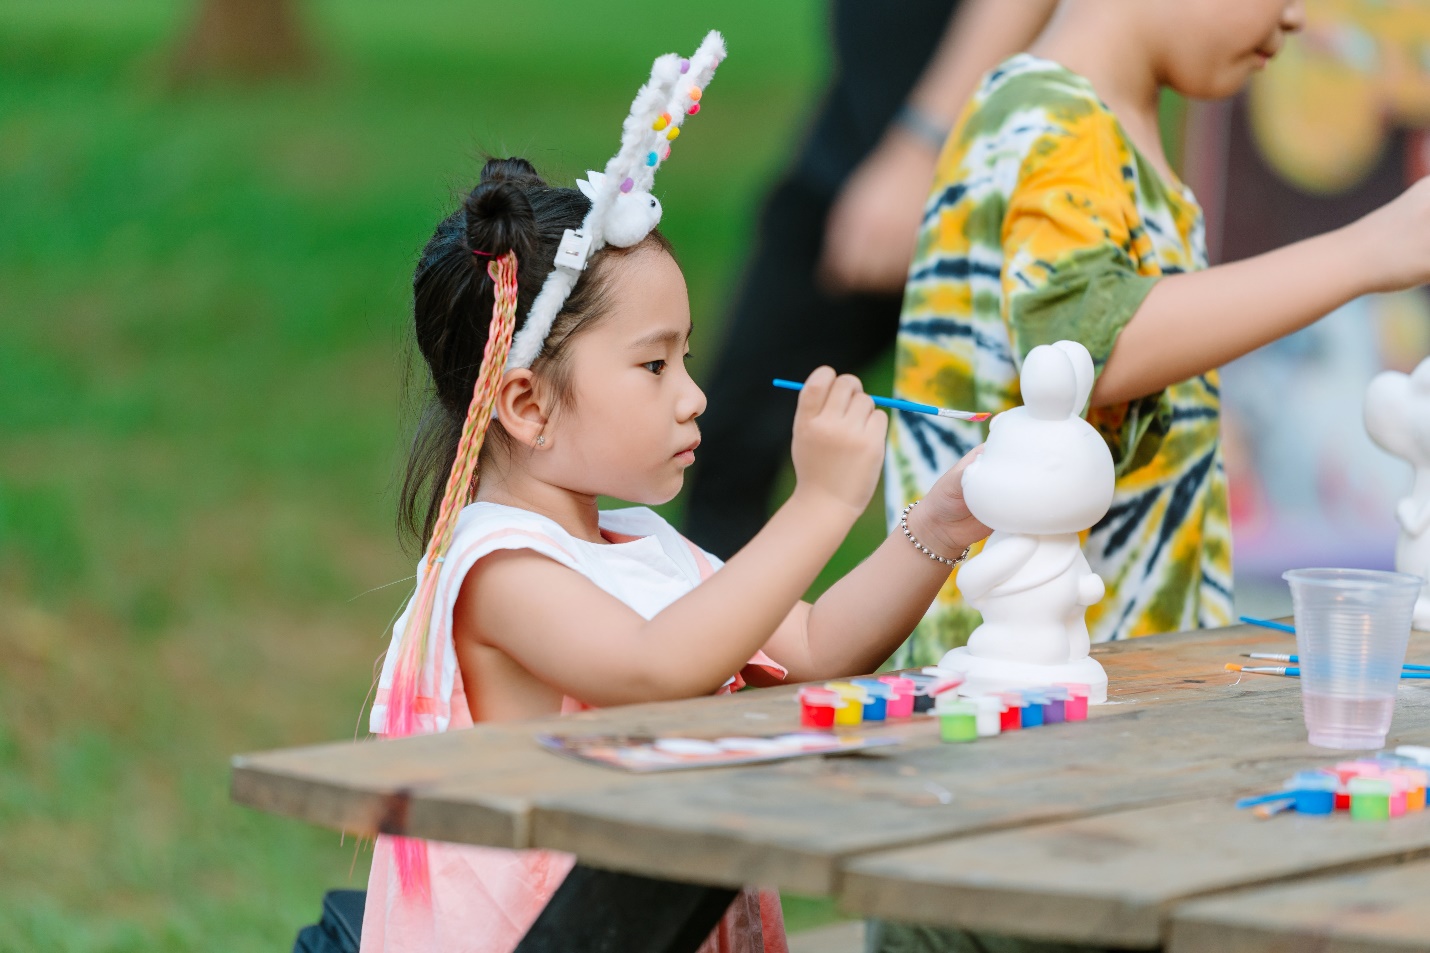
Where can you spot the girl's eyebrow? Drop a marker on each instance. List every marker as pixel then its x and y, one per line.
pixel 663 337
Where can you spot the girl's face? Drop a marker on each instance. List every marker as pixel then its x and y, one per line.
pixel 1214 46
pixel 629 429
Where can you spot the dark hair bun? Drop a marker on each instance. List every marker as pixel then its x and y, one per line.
pixel 499 214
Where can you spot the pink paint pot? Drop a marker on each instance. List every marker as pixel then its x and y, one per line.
pixel 901 704
pixel 817 707
pixel 1075 708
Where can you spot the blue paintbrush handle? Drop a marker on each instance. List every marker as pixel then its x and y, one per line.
pixel 1268 624
pixel 892 403
pixel 1266 799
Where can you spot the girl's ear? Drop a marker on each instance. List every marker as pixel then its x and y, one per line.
pixel 519 407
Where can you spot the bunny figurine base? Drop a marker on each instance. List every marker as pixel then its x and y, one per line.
pixel 1397 416
pixel 1044 476
pixel 984 676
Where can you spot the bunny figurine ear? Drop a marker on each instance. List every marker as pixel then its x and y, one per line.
pixel 1388 400
pixel 1082 369
pixel 1420 377
pixel 1049 383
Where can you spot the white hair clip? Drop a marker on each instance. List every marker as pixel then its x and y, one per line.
pixel 623 211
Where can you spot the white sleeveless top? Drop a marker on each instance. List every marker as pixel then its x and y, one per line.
pixel 646 573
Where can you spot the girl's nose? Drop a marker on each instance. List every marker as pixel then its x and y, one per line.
pixel 692 401
pixel 1293 16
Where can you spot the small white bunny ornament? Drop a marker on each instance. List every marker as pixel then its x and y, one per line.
pixel 1044 476
pixel 1397 416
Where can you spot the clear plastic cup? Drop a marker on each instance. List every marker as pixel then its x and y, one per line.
pixel 1352 627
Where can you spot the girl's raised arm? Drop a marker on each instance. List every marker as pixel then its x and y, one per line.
pixel 1191 323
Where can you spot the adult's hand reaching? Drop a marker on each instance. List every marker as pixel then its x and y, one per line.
pixel 873 225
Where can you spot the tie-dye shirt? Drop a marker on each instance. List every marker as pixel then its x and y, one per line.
pixel 1046 224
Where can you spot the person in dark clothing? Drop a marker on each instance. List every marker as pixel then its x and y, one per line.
pixel 835 237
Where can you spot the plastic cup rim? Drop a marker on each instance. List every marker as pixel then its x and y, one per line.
pixel 1356 579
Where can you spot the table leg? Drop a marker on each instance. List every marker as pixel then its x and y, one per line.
pixel 601 911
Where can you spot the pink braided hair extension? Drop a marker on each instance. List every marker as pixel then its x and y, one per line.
pixel 411 853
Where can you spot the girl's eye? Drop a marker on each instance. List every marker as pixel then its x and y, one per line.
pixel 655 367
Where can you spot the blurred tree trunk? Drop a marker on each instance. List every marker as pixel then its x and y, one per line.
pixel 248 39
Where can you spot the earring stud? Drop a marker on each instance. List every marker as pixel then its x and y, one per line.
pixel 540 440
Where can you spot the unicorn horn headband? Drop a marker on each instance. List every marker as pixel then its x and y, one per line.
pixel 623 211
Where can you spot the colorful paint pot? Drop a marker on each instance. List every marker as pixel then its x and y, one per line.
pixel 923 701
pixel 1415 781
pixel 1315 792
pixel 1012 710
pixel 1033 709
pixel 1075 708
pixel 1055 711
pixel 990 715
pixel 854 697
pixel 1399 791
pixel 817 707
pixel 901 704
pixel 877 695
pixel 1417 753
pixel 1370 799
pixel 957 719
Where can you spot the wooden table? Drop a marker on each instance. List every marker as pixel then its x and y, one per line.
pixel 1109 832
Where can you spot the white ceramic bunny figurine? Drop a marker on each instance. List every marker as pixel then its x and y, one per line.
pixel 1397 416
pixel 1044 476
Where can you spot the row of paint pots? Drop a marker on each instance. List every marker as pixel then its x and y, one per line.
pixel 845 704
pixel 1373 789
pixel 984 716
pixel 860 700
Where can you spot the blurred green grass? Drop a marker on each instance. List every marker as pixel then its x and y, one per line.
pixel 203 296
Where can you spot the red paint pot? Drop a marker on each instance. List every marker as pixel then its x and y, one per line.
pixel 816 707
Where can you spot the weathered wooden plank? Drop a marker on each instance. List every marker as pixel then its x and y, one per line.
pixel 479 785
pixel 1375 911
pixel 792 825
pixel 1114 879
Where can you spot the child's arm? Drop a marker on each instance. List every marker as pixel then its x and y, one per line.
pixel 864 617
pixel 1191 323
pixel 576 637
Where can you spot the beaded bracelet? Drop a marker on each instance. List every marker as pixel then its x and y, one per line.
pixel 904 525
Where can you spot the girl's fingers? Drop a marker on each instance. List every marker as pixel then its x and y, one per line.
pixel 878 423
pixel 862 407
pixel 816 391
pixel 841 397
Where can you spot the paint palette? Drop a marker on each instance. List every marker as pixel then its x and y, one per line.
pixel 641 753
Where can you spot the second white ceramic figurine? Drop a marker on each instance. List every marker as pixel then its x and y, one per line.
pixel 1397 416
pixel 1044 476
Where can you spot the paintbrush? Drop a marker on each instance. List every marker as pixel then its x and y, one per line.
pixel 893 403
pixel 1293 659
pixel 1292 671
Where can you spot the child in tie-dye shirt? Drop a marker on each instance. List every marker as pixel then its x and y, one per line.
pixel 1054 215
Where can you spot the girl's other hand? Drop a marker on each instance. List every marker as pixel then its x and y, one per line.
pixel 942 521
pixel 1393 242
pixel 838 445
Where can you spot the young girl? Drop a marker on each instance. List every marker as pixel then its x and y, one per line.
pixel 1055 215
pixel 543 604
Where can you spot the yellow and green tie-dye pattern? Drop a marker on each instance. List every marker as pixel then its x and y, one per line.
pixel 1044 224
